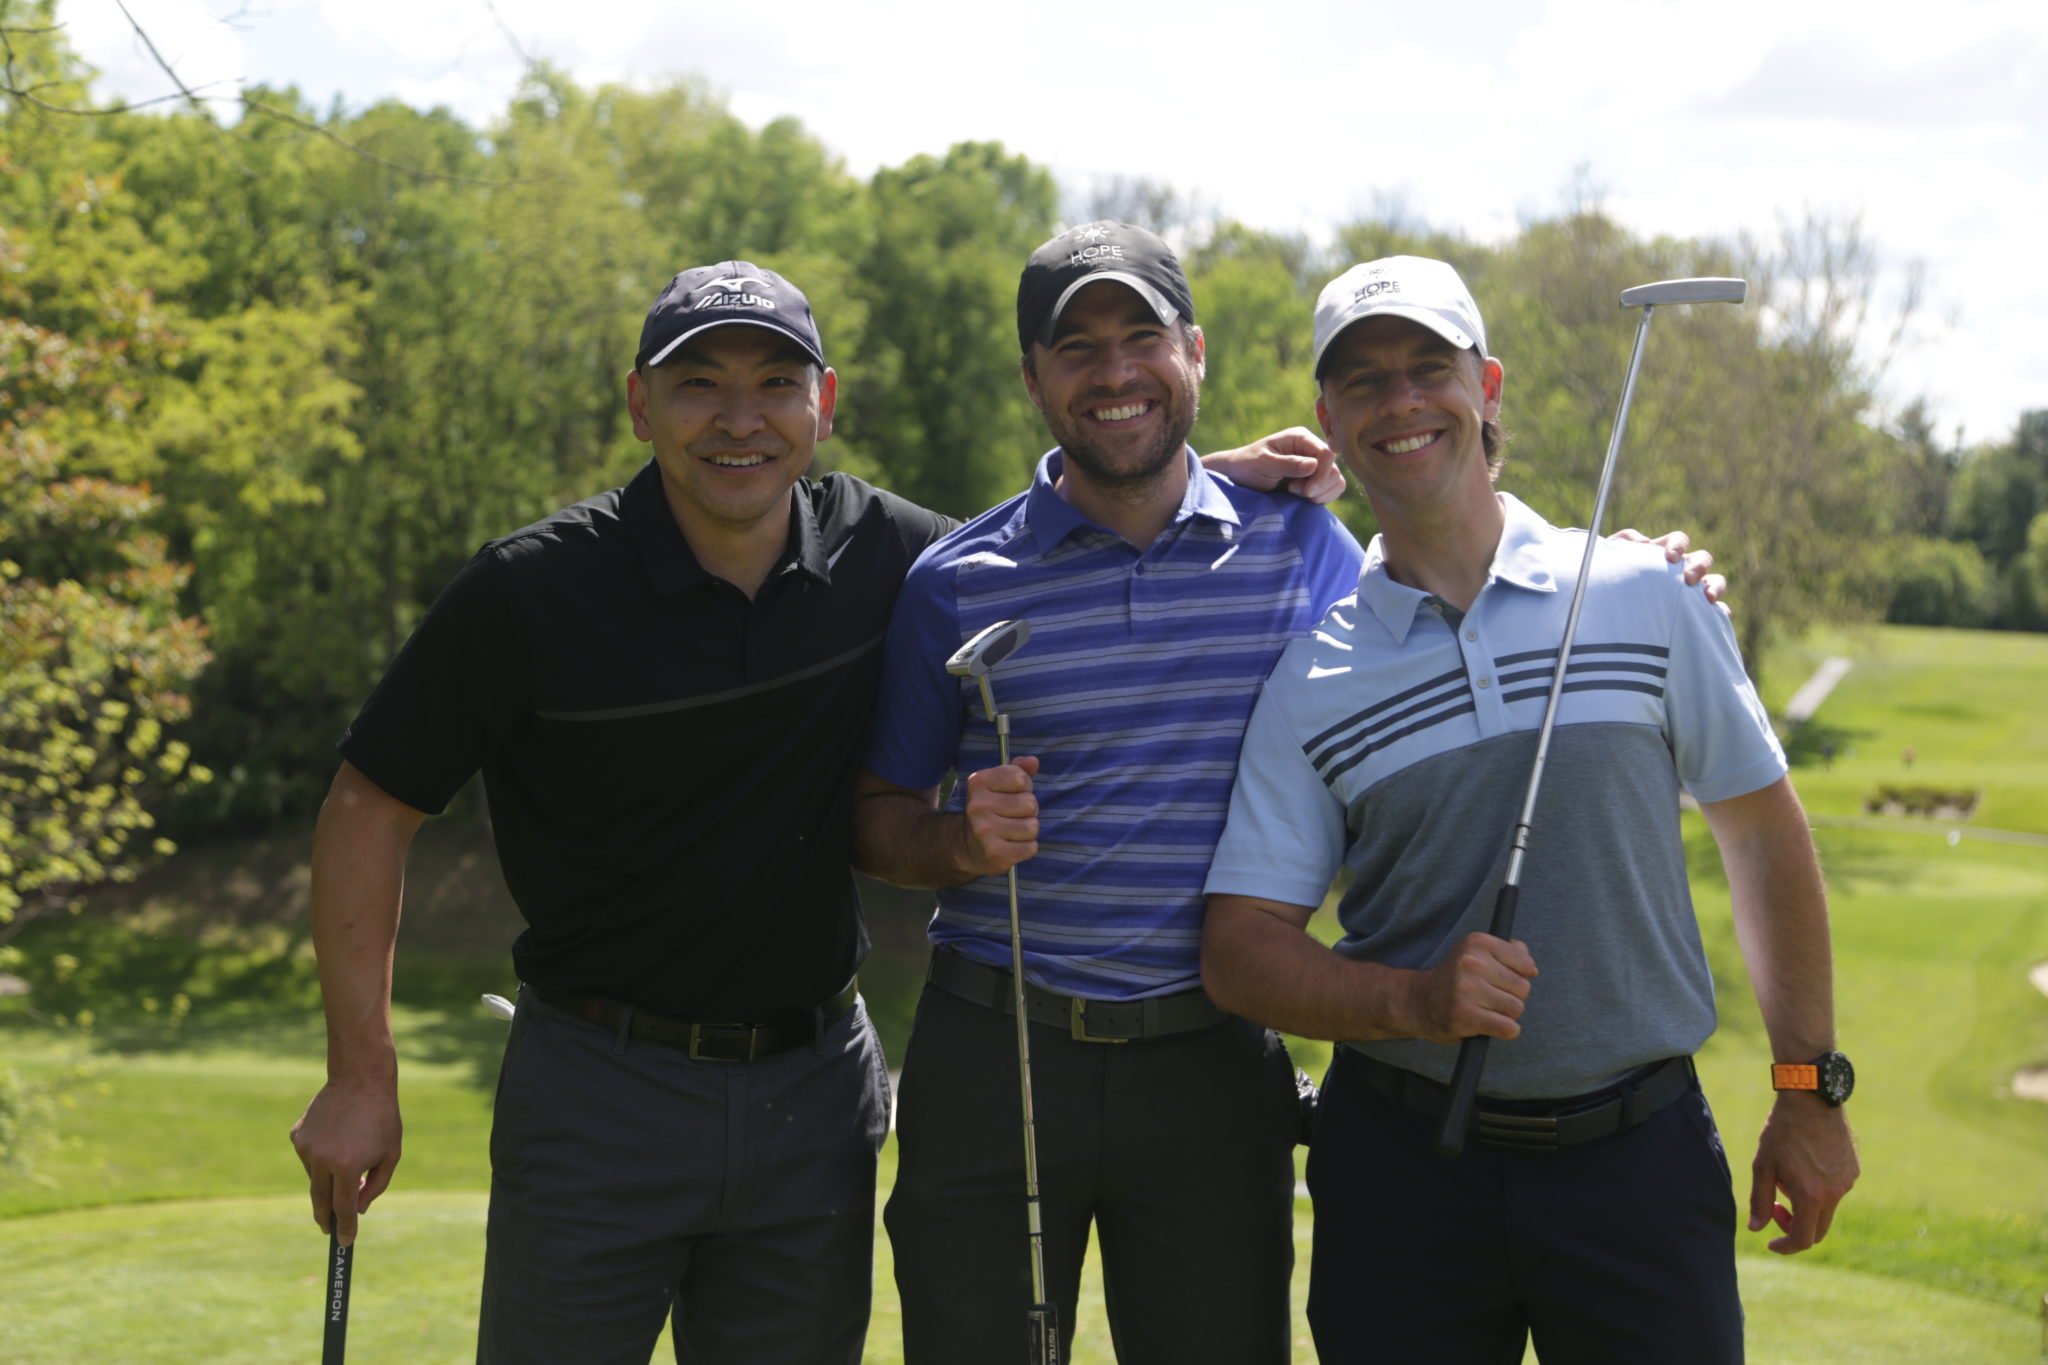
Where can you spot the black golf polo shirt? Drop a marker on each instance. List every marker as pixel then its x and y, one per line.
pixel 670 765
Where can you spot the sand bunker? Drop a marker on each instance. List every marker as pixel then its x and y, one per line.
pixel 2032 1083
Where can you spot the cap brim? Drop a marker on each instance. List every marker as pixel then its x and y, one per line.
pixel 1428 317
pixel 802 343
pixel 1156 301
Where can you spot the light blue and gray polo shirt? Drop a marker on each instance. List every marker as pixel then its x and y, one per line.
pixel 1395 741
pixel 1134 691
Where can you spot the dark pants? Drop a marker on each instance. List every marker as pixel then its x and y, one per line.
pixel 1179 1149
pixel 1618 1250
pixel 629 1182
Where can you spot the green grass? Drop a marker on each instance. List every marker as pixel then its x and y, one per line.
pixel 239 1282
pixel 171 1223
pixel 1968 703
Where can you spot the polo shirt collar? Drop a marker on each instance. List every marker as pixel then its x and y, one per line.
pixel 672 565
pixel 1051 518
pixel 1518 561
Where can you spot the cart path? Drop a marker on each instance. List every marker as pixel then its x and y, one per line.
pixel 1808 698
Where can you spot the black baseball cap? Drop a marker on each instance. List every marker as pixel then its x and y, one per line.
pixel 1098 251
pixel 720 296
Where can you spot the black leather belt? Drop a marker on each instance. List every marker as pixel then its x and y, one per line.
pixel 1540 1125
pixel 708 1042
pixel 1087 1021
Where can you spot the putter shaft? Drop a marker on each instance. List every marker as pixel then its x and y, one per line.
pixel 974 659
pixel 1042 1320
pixel 1464 1089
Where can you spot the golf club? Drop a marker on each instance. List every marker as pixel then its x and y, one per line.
pixel 974 659
pixel 334 1311
pixel 1472 1051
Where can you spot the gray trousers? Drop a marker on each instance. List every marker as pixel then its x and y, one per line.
pixel 630 1184
pixel 1178 1150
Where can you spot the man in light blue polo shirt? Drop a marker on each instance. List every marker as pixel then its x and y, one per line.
pixel 1395 742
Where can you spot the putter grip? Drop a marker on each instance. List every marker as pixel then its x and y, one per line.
pixel 334 1308
pixel 1044 1325
pixel 1472 1051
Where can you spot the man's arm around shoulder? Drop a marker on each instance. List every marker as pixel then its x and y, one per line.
pixel 349 1137
pixel 1258 960
pixel 1781 921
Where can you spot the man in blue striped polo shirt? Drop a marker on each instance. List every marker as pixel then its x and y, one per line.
pixel 1594 1209
pixel 1159 597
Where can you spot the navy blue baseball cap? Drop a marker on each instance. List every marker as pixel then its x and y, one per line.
pixel 1101 250
pixel 735 292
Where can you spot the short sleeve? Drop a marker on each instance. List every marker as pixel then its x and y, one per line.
pixel 1332 557
pixel 458 687
pixel 916 728
pixel 1720 735
pixel 1285 838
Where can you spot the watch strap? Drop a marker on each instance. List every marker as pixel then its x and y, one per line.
pixel 1795 1076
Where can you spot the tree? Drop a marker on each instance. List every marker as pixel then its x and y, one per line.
pixel 2000 494
pixel 1250 299
pixel 1940 583
pixel 95 654
pixel 1754 437
pixel 942 408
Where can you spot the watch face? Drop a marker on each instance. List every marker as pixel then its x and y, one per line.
pixel 1837 1078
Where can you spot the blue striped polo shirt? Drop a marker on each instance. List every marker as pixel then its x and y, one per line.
pixel 1133 691
pixel 1395 742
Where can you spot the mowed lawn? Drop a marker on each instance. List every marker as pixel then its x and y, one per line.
pixel 171 1225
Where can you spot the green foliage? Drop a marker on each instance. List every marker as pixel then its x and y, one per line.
pixel 1248 292
pixel 148 973
pixel 942 410
pixel 95 653
pixel 2002 489
pixel 1940 583
pixel 28 1113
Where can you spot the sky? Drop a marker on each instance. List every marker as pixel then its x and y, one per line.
pixel 1926 127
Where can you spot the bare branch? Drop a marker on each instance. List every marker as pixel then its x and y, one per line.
pixel 295 121
pixel 192 97
pixel 510 37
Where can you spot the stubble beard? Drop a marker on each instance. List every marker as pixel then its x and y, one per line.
pixel 1130 479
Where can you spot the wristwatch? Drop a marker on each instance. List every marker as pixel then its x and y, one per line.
pixel 1829 1075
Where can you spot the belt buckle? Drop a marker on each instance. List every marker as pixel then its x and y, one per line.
pixel 1077 1023
pixel 723 1042
pixel 1517 1132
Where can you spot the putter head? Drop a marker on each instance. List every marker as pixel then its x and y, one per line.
pixel 988 648
pixel 1709 289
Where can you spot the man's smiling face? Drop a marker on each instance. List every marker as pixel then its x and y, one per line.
pixel 733 416
pixel 1119 389
pixel 1404 409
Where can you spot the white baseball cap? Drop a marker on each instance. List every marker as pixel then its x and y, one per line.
pixel 1412 287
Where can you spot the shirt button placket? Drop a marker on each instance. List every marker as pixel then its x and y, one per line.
pixel 1487 706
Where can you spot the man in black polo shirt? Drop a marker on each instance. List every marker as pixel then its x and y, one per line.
pixel 665 687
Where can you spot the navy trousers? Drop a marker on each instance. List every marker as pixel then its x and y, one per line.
pixel 1620 1250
